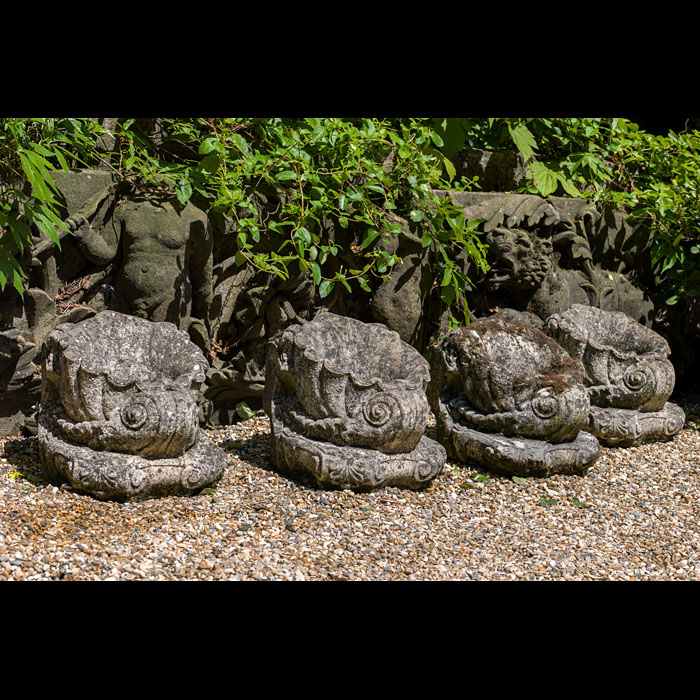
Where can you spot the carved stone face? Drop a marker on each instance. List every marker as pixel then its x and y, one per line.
pixel 519 261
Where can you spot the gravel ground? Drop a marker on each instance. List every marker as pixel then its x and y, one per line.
pixel 634 516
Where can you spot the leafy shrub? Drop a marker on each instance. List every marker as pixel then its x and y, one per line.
pixel 355 174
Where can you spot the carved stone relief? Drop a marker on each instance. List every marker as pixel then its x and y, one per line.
pixel 541 257
pixel 118 415
pixel 347 405
pixel 508 398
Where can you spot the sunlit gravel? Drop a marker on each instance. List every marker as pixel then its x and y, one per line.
pixel 634 516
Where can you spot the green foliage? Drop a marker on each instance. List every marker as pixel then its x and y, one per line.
pixel 328 174
pixel 347 179
pixel 30 150
pixel 655 179
pixel 244 411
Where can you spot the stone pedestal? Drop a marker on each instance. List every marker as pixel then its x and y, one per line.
pixel 347 406
pixel 118 415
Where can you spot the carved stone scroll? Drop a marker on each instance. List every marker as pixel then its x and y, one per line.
pixel 347 405
pixel 119 415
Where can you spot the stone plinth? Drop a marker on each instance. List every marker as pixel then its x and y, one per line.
pixel 347 405
pixel 118 415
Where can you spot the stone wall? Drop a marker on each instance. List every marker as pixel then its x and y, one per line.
pixel 144 257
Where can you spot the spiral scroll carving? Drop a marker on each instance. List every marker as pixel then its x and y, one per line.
pixel 545 407
pixel 382 408
pixel 637 377
pixel 136 411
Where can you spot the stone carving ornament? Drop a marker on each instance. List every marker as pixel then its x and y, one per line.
pixel 628 375
pixel 347 406
pixel 507 397
pixel 118 415
pixel 165 256
pixel 541 258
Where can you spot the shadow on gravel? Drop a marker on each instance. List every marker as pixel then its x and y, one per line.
pixel 22 455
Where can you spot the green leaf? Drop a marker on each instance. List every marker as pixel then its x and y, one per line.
pixel 208 145
pixel 303 234
pixel 437 139
pixel 519 480
pixel 183 191
pixel 240 142
pixel 286 175
pixel 244 411
pixel 325 288
pixel 369 237
pixel 545 180
pixel 416 215
pixel 569 187
pixel 316 272
pixel 450 168
pixel 209 164
pixel 524 140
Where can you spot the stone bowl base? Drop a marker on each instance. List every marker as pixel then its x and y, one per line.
pixel 117 476
pixel 328 466
pixel 522 456
pixel 623 427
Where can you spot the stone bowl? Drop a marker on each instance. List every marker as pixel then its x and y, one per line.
pixel 626 363
pixel 508 377
pixel 355 383
pixel 125 384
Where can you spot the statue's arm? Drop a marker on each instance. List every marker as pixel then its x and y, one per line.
pixel 98 247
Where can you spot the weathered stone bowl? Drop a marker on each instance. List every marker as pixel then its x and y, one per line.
pixel 357 383
pixel 628 375
pixel 626 363
pixel 118 416
pixel 348 407
pixel 505 396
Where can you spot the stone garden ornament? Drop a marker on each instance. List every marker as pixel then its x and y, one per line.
pixel 118 415
pixel 347 405
pixel 510 399
pixel 628 375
